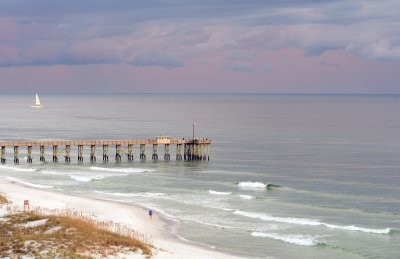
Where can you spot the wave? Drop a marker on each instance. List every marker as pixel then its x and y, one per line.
pixel 137 194
pixel 271 186
pixel 120 170
pixel 246 197
pixel 218 193
pixel 310 222
pixel 17 169
pixel 251 185
pixel 39 186
pixel 355 228
pixel 300 240
pixel 81 178
pixel 257 185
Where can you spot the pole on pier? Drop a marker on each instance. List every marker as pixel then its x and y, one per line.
pixel 80 153
pixel 3 154
pixel 118 153
pixel 42 158
pixel 178 152
pixel 142 152
pixel 67 153
pixel 130 152
pixel 55 153
pixel 16 151
pixel 29 158
pixel 167 155
pixel 194 124
pixel 155 155
pixel 105 153
pixel 92 153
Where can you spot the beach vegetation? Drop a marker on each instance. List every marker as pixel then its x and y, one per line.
pixel 64 236
pixel 3 199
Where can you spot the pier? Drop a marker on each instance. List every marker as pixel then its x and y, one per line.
pixel 195 149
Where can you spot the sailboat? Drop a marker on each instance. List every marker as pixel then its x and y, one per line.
pixel 37 103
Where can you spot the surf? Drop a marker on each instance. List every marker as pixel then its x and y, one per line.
pixel 39 186
pixel 300 240
pixel 310 222
pixel 17 169
pixel 218 193
pixel 120 170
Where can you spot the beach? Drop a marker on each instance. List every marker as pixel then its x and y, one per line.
pixel 158 229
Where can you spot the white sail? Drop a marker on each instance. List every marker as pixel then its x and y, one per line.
pixel 37 103
pixel 37 100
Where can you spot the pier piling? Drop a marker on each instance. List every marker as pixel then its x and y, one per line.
pixel 55 153
pixel 167 155
pixel 118 152
pixel 42 158
pixel 29 158
pixel 155 150
pixel 80 153
pixel 179 152
pixel 142 152
pixel 67 153
pixel 16 151
pixel 105 153
pixel 3 154
pixel 130 152
pixel 92 153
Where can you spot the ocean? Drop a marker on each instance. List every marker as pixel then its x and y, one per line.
pixel 289 176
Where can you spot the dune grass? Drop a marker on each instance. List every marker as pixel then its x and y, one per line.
pixel 3 199
pixel 62 236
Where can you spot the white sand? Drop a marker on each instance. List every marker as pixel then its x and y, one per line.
pixel 135 217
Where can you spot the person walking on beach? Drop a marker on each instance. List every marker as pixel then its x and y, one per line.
pixel 150 214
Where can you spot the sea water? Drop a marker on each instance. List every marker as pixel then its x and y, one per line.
pixel 289 176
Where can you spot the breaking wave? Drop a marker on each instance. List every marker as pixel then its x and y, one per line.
pixel 120 170
pixel 246 197
pixel 81 178
pixel 39 186
pixel 218 193
pixel 138 194
pixel 300 240
pixel 17 169
pixel 251 185
pixel 310 222
pixel 257 186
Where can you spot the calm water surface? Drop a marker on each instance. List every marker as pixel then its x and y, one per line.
pixel 290 176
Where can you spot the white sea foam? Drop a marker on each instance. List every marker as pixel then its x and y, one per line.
pixel 137 194
pixel 252 185
pixel 246 197
pixel 84 178
pixel 40 186
pixel 16 169
pixel 218 193
pixel 309 222
pixel 355 228
pixel 120 170
pixel 266 217
pixel 300 240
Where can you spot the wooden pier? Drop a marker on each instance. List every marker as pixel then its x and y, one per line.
pixel 195 149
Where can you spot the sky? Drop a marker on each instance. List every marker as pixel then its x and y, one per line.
pixel 208 46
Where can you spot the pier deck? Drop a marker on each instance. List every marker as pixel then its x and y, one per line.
pixel 195 149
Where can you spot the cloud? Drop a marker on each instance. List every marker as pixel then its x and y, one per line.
pixel 170 33
pixel 328 64
pixel 239 67
pixel 160 59
pixel 265 67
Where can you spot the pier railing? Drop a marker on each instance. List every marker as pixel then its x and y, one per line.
pixel 197 149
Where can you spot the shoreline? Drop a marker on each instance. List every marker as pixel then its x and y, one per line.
pixel 159 230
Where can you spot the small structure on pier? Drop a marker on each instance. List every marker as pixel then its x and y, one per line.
pixel 195 149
